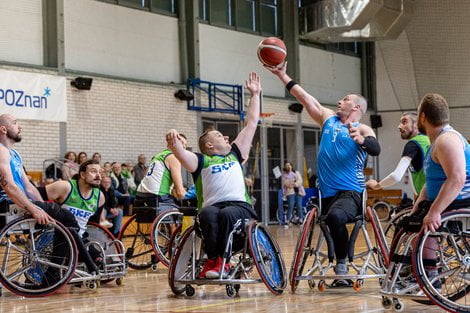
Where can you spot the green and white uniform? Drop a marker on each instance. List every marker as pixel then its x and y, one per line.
pixel 80 207
pixel 158 180
pixel 416 166
pixel 220 178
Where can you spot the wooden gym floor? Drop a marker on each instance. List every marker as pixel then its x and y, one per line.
pixel 148 291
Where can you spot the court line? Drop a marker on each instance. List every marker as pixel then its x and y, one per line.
pixel 212 305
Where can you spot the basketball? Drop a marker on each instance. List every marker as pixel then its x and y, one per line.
pixel 272 51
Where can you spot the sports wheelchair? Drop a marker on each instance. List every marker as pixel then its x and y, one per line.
pixel 37 260
pixel 408 256
pixel 136 236
pixel 249 245
pixel 313 258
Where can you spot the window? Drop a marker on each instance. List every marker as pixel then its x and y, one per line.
pixel 160 6
pixel 258 16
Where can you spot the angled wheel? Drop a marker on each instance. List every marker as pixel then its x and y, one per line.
pixel 302 249
pixel 450 246
pixel 105 238
pixel 267 258
pixel 181 268
pixel 380 239
pixel 162 230
pixel 41 262
pixel 138 247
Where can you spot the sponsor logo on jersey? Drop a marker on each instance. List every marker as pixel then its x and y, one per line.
pixel 218 168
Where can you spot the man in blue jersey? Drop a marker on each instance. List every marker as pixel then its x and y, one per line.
pixel 220 184
pixel 344 146
pixel 446 166
pixel 15 187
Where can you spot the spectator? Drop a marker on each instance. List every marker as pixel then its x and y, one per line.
pixel 121 188
pixel 127 173
pixel 97 157
pixel 140 170
pixel 70 167
pixel 82 157
pixel 293 192
pixel 107 169
pixel 113 213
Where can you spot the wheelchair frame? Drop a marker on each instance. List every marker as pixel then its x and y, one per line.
pixel 414 283
pixel 26 273
pixel 259 250
pixel 319 270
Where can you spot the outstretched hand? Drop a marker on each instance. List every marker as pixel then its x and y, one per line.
pixel 355 134
pixel 253 83
pixel 172 138
pixel 279 70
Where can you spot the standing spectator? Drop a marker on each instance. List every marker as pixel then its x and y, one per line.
pixel 140 169
pixel 112 212
pixel 70 167
pixel 121 188
pixel 292 191
pixel 82 157
pixel 97 157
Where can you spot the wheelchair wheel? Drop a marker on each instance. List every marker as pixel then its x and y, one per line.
pixel 389 229
pixel 39 264
pixel 162 229
pixel 174 240
pixel 105 238
pixel 382 209
pixel 181 265
pixel 302 249
pixel 136 240
pixel 380 239
pixel 267 258
pixel 449 289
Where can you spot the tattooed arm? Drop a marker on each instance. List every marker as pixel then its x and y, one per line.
pixel 15 193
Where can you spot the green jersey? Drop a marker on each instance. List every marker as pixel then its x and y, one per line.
pixel 80 207
pixel 158 180
pixel 417 171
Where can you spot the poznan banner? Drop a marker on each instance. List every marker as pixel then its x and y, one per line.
pixel 33 96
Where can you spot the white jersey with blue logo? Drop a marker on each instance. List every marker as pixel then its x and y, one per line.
pixel 340 159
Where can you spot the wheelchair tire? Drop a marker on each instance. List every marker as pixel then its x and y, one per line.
pixel 380 239
pixel 162 230
pixel 138 247
pixel 105 238
pixel 302 249
pixel 29 272
pixel 453 255
pixel 180 264
pixel 174 240
pixel 267 258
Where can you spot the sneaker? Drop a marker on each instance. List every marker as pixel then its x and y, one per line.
pixel 209 265
pixel 106 224
pixel 215 272
pixel 341 269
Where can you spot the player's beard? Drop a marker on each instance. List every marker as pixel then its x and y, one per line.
pixel 15 137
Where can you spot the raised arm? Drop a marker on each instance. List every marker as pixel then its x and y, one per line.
pixel 15 193
pixel 187 158
pixel 316 111
pixel 175 169
pixel 245 137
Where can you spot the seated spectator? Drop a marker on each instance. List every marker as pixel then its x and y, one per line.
pixel 112 213
pixel 121 188
pixel 106 169
pixel 97 157
pixel 82 157
pixel 127 173
pixel 140 170
pixel 70 167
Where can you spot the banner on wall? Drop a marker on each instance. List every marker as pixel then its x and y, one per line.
pixel 33 96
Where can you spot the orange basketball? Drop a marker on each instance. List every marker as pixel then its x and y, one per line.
pixel 272 51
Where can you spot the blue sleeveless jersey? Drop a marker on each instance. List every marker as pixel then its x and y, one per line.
pixel 340 159
pixel 16 166
pixel 435 175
